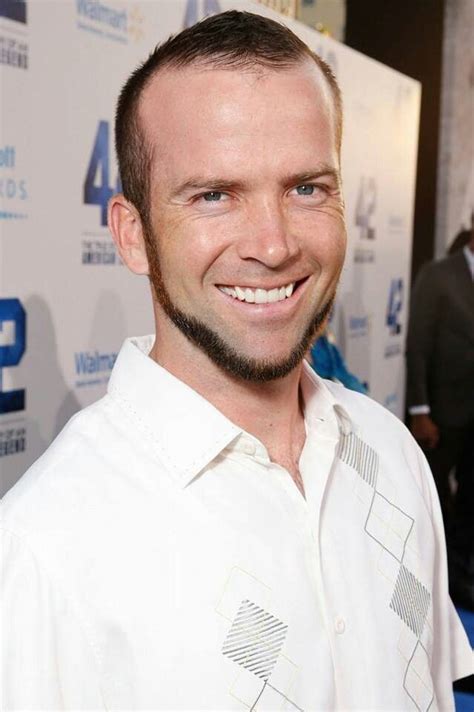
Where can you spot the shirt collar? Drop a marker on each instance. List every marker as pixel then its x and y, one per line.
pixel 186 430
pixel 469 255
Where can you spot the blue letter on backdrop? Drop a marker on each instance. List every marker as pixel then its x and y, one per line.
pixel 99 194
pixel 394 306
pixel 11 352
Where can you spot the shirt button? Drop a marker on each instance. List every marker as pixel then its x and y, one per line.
pixel 339 625
pixel 249 448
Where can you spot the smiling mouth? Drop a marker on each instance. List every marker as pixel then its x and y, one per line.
pixel 259 295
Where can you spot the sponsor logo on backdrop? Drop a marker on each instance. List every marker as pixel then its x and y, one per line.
pixel 358 326
pixel 197 10
pixel 14 10
pixel 393 318
pixel 364 218
pixel 97 246
pixel 12 400
pixel 13 186
pixel 92 368
pixel 13 34
pixel 391 402
pixel 110 21
pixel 12 348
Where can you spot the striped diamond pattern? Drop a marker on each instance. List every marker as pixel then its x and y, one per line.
pixel 357 454
pixel 410 600
pixel 255 639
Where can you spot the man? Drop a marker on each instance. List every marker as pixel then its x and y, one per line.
pixel 225 530
pixel 440 361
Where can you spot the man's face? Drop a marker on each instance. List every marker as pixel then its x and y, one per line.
pixel 246 216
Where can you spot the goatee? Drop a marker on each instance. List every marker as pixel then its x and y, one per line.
pixel 225 356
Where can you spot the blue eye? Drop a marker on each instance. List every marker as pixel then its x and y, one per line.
pixel 213 196
pixel 305 189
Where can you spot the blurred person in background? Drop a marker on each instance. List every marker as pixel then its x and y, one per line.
pixel 328 362
pixel 440 396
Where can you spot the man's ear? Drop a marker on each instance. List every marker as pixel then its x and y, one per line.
pixel 127 230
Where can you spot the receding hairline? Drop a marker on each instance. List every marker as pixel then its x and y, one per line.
pixel 249 65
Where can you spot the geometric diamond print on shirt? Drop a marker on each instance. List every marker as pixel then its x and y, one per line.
pixel 388 525
pixel 357 454
pixel 417 682
pixel 255 639
pixel 410 601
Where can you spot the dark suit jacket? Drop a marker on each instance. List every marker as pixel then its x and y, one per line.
pixel 440 343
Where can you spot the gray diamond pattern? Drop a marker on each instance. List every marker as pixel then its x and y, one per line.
pixel 410 599
pixel 255 639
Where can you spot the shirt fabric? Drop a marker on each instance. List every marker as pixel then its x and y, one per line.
pixel 156 559
pixel 469 255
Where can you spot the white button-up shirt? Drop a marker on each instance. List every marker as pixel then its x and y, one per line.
pixel 469 255
pixel 155 558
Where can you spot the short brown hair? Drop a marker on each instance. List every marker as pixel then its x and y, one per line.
pixel 234 40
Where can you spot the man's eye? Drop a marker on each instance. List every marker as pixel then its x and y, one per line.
pixel 213 196
pixel 305 189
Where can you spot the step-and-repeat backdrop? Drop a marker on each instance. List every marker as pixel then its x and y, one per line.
pixel 66 301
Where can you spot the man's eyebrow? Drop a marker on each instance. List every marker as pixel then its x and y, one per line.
pixel 323 171
pixel 205 183
pixel 219 184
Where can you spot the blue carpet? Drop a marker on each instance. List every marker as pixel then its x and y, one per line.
pixel 464 702
pixel 463 695
pixel 467 618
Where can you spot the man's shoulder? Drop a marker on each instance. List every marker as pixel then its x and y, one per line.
pixel 376 425
pixel 68 477
pixel 443 268
pixel 364 410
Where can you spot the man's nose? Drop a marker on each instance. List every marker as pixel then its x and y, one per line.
pixel 269 238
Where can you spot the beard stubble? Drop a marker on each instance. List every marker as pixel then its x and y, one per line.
pixel 213 345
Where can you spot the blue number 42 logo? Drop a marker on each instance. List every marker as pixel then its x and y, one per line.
pixel 394 306
pixel 97 188
pixel 12 348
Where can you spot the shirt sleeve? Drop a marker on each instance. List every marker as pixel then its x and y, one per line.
pixel 46 661
pixel 452 656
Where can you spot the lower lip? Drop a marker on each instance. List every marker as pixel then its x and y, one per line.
pixel 268 310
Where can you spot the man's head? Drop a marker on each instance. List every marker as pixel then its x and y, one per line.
pixel 232 40
pixel 228 140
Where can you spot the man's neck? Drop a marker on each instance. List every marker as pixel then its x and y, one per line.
pixel 270 411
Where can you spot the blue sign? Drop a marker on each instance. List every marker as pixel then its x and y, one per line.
pixel 97 188
pixel 194 13
pixel 365 208
pixel 13 9
pixel 12 348
pixel 394 306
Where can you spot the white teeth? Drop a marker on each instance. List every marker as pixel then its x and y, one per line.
pixel 259 296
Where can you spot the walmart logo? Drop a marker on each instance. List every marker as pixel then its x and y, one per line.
pixel 108 22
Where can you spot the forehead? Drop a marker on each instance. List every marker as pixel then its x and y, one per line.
pixel 199 108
